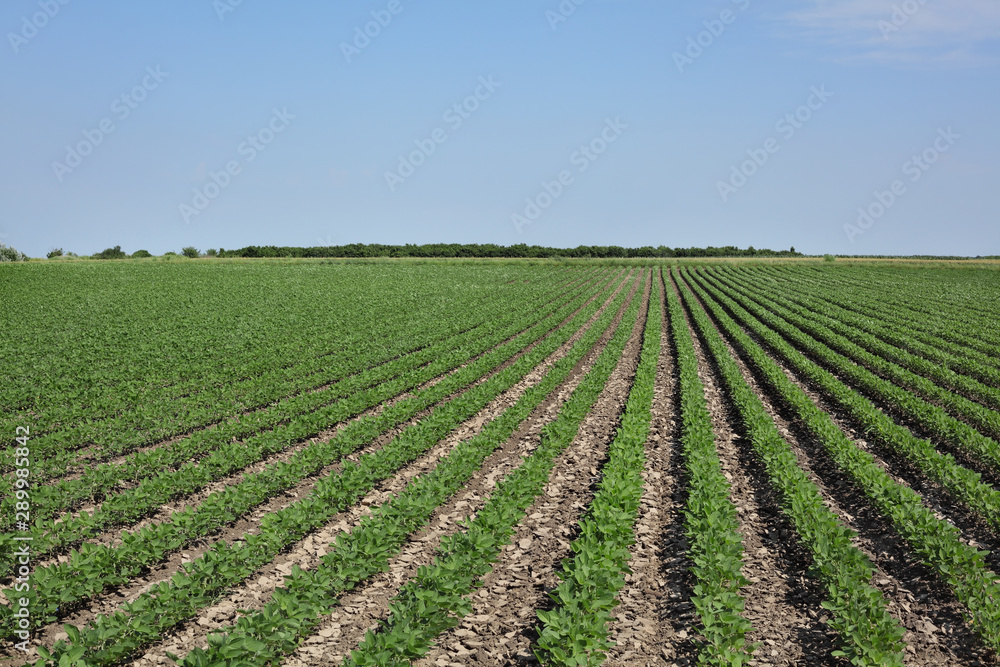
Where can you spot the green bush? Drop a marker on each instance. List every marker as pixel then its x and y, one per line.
pixel 190 251
pixel 110 253
pixel 55 252
pixel 8 254
pixel 211 252
pixel 829 258
pixel 141 254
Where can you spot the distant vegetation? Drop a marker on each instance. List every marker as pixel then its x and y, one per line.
pixel 491 250
pixel 466 250
pixel 111 253
pixel 8 254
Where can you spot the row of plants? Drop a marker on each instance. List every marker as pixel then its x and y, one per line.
pixel 355 555
pixel 934 541
pixel 964 484
pixel 987 421
pixel 93 568
pixel 575 631
pixel 895 340
pixel 715 545
pixel 438 596
pixel 869 635
pixel 400 375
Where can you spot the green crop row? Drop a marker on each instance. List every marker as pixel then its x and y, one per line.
pixel 964 295
pixel 126 507
pixel 833 348
pixel 261 638
pixel 935 541
pixel 869 635
pixel 931 327
pixel 575 632
pixel 715 544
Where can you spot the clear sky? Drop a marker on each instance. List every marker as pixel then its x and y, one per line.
pixel 226 123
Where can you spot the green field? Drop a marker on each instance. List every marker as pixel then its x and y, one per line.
pixel 498 462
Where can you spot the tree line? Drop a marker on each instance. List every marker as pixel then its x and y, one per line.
pixel 493 250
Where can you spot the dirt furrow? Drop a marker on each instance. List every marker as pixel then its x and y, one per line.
pixel 500 628
pixel 642 630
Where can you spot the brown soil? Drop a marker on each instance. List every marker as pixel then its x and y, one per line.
pixel 643 633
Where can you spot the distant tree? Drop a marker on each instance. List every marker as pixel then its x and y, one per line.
pixel 55 252
pixel 190 251
pixel 829 258
pixel 8 254
pixel 211 252
pixel 110 253
pixel 141 254
pixel 792 250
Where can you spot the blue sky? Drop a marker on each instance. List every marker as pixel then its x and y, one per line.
pixel 852 126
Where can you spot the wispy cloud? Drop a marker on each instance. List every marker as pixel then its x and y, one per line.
pixel 917 33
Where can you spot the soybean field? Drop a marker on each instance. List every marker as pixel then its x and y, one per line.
pixel 247 463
